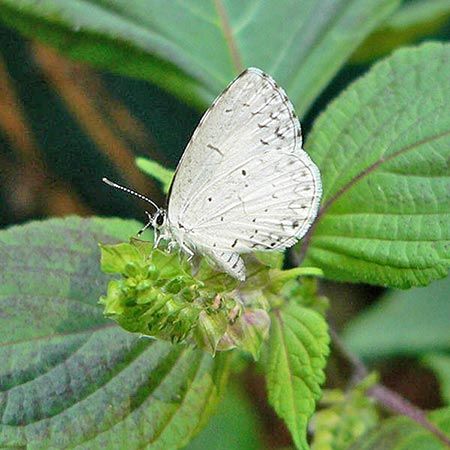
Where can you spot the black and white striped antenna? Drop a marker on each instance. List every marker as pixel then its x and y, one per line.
pixel 129 191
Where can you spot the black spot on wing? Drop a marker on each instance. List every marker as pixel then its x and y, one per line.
pixel 216 149
pixel 278 133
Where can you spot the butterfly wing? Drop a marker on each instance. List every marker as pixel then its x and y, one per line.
pixel 244 183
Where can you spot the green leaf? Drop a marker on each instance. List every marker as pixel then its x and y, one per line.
pixel 401 433
pixel 156 171
pixel 274 260
pixel 412 21
pixel 234 427
pixel 117 258
pixel 71 378
pixel 383 149
pixel 346 418
pixel 440 364
pixel 403 323
pixel 301 43
pixel 298 348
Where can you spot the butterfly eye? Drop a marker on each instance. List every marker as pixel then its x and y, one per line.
pixel 159 220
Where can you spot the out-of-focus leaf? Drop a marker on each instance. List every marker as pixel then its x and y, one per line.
pixel 440 364
pixel 234 427
pixel 301 43
pixel 401 433
pixel 383 148
pixel 71 378
pixel 409 322
pixel 156 171
pixel 412 21
pixel 298 348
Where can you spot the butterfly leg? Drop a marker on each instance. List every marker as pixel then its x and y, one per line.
pixel 195 264
pixel 147 225
pixel 189 252
pixel 171 245
pixel 156 238
pixel 159 236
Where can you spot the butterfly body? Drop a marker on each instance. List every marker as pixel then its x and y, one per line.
pixel 244 182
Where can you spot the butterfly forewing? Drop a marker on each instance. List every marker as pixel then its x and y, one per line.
pixel 244 183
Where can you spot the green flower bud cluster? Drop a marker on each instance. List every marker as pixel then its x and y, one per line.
pixel 158 296
pixel 345 416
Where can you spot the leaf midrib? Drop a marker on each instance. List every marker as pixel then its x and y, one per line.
pixel 367 104
pixel 228 35
pixel 375 165
pixel 290 85
pixel 360 176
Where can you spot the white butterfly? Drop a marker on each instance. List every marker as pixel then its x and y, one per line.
pixel 244 183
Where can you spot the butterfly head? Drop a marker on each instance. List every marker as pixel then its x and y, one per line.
pixel 159 219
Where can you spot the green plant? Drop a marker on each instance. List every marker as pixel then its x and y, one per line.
pixel 72 378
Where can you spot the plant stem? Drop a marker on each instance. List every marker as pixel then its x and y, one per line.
pixel 385 396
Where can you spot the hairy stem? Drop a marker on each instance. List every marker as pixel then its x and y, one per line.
pixel 385 396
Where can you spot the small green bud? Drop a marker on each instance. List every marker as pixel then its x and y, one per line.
pixel 112 300
pixel 187 294
pixel 210 330
pixel 131 269
pixel 159 302
pixel 144 285
pixel 130 283
pixel 174 286
pixel 147 296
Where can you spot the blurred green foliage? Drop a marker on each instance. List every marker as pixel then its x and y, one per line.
pixel 235 426
pixel 403 323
